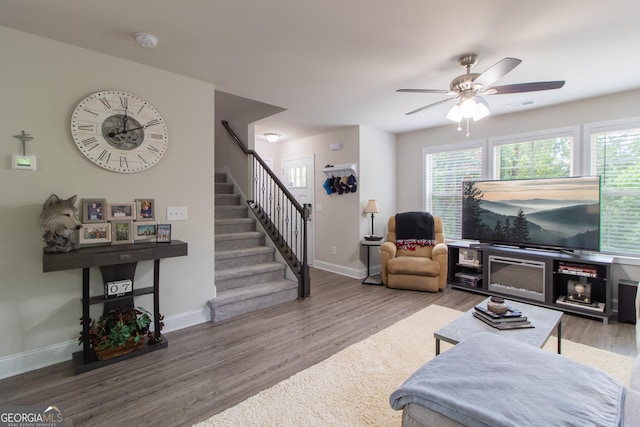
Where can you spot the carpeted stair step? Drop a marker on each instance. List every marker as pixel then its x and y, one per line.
pixel 243 257
pixel 226 242
pixel 225 212
pixel 224 188
pixel 227 200
pixel 234 225
pixel 236 302
pixel 231 278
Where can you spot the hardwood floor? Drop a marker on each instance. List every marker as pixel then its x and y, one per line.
pixel 210 367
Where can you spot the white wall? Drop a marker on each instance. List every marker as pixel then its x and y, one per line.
pixel 42 82
pixel 341 221
pixel 410 144
pixel 377 181
pixel 240 113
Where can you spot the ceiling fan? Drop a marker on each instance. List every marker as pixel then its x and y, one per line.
pixel 468 87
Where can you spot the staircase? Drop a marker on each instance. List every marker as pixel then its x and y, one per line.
pixel 247 277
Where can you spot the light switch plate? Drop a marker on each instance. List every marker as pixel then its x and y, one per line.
pixel 176 213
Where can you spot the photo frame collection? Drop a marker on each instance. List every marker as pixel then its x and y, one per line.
pixel 121 223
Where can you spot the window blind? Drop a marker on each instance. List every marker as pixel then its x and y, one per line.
pixel 445 172
pixel 615 156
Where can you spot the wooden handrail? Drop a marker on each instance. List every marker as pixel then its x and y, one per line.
pixel 272 210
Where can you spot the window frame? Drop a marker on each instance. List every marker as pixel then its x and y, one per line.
pixel 581 162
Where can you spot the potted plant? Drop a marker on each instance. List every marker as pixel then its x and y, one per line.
pixel 119 332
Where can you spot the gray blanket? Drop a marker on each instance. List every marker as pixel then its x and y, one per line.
pixel 489 380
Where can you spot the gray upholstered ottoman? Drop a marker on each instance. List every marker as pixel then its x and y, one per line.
pixel 489 380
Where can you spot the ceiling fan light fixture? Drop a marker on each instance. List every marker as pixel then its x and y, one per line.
pixel 468 108
pixel 481 109
pixel 455 114
pixel 272 137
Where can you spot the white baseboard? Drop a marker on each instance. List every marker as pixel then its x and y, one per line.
pixel 26 361
pixel 346 271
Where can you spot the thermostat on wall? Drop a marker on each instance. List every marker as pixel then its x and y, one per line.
pixel 22 162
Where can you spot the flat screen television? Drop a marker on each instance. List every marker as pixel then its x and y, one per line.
pixel 550 213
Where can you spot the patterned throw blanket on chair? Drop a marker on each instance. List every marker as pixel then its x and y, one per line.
pixel 414 229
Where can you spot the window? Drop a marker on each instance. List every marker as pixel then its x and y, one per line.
pixel 445 172
pixel 611 150
pixel 548 155
pixel 298 177
pixel 615 156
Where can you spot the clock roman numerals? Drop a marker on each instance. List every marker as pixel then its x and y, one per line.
pixel 90 112
pixel 105 102
pixel 153 122
pixel 156 136
pixel 124 102
pixel 88 128
pixel 105 156
pixel 123 162
pixel 90 143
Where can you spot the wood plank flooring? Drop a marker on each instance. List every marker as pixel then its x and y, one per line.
pixel 210 367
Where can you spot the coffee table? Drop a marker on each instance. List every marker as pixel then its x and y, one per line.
pixel 544 321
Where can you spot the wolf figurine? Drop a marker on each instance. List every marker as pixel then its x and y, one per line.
pixel 58 219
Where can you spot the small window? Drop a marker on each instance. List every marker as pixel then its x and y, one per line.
pixel 298 177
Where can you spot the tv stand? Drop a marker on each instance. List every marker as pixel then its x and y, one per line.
pixel 562 280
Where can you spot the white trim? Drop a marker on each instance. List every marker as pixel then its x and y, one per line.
pixel 37 358
pixel 339 269
pixel 452 147
pixel 18 363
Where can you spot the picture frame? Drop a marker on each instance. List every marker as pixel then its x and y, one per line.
pixel 94 233
pixel 163 233
pixel 121 232
pixel 94 210
pixel 145 209
pixel 145 231
pixel 121 211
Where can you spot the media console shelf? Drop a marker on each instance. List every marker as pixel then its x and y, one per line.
pixel 116 263
pixel 574 283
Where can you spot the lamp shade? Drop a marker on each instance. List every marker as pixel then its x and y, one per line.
pixel 372 207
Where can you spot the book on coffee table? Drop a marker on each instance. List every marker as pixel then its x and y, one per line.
pixel 497 320
pixel 510 316
pixel 522 324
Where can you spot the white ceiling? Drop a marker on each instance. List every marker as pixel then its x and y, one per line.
pixel 332 63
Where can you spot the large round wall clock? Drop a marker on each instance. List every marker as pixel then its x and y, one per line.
pixel 119 131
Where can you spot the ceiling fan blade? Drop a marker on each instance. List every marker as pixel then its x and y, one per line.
pixel 430 105
pixel 423 90
pixel 524 87
pixel 497 71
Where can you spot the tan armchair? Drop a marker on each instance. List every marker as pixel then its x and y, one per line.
pixel 422 269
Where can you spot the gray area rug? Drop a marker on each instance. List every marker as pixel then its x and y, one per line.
pixel 352 387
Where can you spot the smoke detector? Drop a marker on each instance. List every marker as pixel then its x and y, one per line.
pixel 145 40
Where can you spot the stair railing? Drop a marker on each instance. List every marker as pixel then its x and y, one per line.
pixel 282 216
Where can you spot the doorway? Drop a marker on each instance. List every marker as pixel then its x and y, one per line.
pixel 298 175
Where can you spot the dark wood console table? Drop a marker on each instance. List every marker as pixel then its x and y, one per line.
pixel 116 263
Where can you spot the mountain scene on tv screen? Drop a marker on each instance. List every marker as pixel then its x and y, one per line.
pixel 553 221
